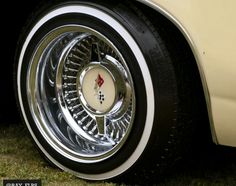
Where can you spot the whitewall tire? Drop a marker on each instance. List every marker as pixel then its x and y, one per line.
pixel 97 89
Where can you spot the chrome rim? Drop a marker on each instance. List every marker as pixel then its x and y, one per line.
pixel 81 94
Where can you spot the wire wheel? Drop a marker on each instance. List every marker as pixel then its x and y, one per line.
pixel 101 92
pixel 81 93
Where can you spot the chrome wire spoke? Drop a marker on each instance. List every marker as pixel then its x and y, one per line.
pixel 96 54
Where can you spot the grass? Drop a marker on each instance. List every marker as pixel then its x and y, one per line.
pixel 20 160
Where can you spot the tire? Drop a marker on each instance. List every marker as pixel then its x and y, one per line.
pixel 98 91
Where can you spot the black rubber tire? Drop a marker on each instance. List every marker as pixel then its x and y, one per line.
pixel 165 144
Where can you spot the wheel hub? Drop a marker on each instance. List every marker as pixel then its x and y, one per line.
pixel 97 89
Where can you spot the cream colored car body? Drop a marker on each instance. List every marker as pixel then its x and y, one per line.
pixel 210 28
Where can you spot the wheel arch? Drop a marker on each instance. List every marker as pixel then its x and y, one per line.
pixel 151 7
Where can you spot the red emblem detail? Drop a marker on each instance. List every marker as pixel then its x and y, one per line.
pixel 100 81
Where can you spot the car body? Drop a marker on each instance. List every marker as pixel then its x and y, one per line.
pixel 209 28
pixel 202 31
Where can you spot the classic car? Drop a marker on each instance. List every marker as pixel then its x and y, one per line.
pixel 114 89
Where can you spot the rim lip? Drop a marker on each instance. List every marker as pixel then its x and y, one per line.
pixel 35 107
pixel 96 13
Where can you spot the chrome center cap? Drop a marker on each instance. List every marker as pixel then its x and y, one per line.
pixel 97 89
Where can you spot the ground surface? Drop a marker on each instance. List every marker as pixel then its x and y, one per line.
pixel 20 160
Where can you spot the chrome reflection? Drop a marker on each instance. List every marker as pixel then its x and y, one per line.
pixel 75 126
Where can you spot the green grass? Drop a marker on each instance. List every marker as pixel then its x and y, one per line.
pixel 20 160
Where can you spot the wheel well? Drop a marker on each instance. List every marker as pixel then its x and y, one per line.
pixel 185 62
